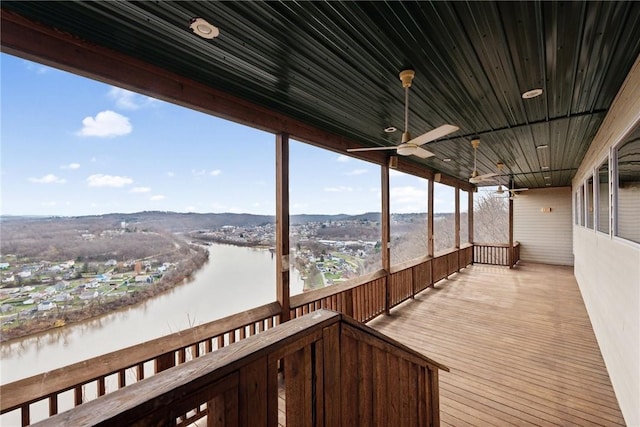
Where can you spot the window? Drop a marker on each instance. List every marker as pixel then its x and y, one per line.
pixel 603 197
pixel 628 188
pixel 589 211
pixel 576 209
pixel 580 206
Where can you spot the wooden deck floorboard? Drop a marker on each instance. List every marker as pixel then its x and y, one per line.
pixel 519 345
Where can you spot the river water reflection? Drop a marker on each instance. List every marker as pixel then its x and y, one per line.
pixel 234 279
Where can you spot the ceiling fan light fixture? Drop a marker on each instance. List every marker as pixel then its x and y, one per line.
pixel 532 93
pixel 407 150
pixel 202 28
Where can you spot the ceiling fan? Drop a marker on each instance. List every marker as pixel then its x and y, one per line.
pixel 512 192
pixel 412 147
pixel 475 178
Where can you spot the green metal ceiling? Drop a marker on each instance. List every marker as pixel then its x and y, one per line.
pixel 335 65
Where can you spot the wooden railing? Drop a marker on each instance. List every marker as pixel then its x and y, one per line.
pixel 363 299
pixel 81 382
pixel 495 253
pixel 336 372
pixel 378 292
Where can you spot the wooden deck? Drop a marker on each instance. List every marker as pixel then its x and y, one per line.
pixel 519 344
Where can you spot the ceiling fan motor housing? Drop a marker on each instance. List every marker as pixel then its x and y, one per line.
pixel 406 76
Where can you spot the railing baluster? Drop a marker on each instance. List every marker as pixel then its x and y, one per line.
pixel 26 415
pixel 102 389
pixel 53 404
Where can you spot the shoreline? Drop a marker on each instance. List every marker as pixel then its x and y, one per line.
pixel 96 310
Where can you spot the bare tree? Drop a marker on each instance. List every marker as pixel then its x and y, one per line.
pixel 491 219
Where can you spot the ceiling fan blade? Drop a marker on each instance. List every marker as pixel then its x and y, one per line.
pixel 486 176
pixel 515 190
pixel 352 150
pixel 422 153
pixel 433 134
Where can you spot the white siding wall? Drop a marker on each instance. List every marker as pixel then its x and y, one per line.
pixel 608 269
pixel 544 236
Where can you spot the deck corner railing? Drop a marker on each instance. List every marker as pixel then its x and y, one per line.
pixel 496 253
pixel 331 368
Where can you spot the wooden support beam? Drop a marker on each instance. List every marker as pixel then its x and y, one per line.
pixel 511 258
pixel 470 216
pixel 430 192
pixel 282 224
pixel 457 219
pixel 386 231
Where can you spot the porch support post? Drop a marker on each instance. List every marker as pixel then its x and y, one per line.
pixel 510 232
pixel 430 218
pixel 456 241
pixel 470 218
pixel 386 233
pixel 282 224
pixel 456 238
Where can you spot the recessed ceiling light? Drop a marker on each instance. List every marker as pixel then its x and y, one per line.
pixel 544 168
pixel 548 185
pixel 390 129
pixel 446 160
pixel 542 147
pixel 532 93
pixel 547 177
pixel 203 29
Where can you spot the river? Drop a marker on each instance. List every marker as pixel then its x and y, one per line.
pixel 234 279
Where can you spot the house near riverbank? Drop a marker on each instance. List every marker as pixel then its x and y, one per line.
pixel 542 98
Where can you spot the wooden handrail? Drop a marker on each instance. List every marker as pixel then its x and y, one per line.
pixel 239 383
pixel 38 387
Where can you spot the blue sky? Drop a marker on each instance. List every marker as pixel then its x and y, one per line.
pixel 74 146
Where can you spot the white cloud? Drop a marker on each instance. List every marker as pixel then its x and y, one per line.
pixel 339 189
pixel 198 172
pixel 408 199
pixel 128 100
pixel 215 172
pixel 48 204
pixel 190 209
pixel 171 174
pixel 106 124
pixel 37 68
pixel 73 166
pixel 342 158
pixel 48 179
pixel 140 190
pixel 101 180
pixel 157 197
pixel 393 172
pixel 356 172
